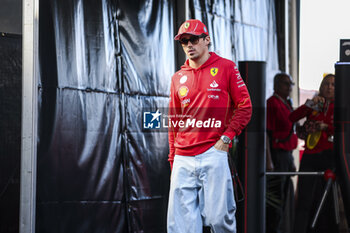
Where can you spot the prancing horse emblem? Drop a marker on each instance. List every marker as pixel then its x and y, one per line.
pixel 214 71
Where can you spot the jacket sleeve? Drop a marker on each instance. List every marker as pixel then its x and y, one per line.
pixel 241 103
pixel 300 113
pixel 174 107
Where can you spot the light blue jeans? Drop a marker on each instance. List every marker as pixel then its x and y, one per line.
pixel 201 193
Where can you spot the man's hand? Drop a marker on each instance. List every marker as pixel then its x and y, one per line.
pixel 220 145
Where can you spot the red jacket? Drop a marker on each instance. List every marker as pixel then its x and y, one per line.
pixel 279 125
pixel 326 116
pixel 206 103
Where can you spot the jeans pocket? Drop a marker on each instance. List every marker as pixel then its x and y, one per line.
pixel 221 151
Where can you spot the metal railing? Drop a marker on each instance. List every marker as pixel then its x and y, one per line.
pixel 331 183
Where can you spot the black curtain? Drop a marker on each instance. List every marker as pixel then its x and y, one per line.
pixel 10 130
pixel 101 64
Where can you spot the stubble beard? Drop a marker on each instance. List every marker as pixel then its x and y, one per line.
pixel 194 55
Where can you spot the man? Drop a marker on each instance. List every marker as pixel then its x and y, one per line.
pixel 282 141
pixel 209 105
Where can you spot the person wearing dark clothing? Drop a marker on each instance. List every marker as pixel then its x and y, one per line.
pixel 282 142
pixel 318 131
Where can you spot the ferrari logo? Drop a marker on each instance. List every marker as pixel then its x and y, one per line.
pixel 187 25
pixel 214 71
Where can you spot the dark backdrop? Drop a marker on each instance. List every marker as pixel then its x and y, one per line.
pixel 10 130
pixel 102 63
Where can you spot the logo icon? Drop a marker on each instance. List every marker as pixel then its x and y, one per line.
pixel 187 25
pixel 347 52
pixel 214 84
pixel 185 102
pixel 183 79
pixel 215 97
pixel 151 120
pixel 214 71
pixel 183 91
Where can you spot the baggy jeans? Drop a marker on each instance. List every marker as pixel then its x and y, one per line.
pixel 201 193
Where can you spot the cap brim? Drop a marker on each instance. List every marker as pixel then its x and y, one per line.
pixel 178 36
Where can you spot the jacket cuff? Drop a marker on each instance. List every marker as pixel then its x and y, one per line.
pixel 171 161
pixel 231 134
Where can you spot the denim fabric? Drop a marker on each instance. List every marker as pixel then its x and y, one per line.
pixel 201 193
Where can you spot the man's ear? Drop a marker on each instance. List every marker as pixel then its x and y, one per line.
pixel 207 39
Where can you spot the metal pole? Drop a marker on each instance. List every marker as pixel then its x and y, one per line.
pixel 328 186
pixel 29 115
pixel 294 173
pixel 251 152
pixel 293 49
pixel 286 34
pixel 187 10
pixel 342 131
pixel 336 202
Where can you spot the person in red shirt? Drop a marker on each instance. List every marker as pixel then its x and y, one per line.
pixel 318 156
pixel 282 141
pixel 209 105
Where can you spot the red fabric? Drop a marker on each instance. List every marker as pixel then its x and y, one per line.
pixel 301 152
pixel 214 90
pixel 279 125
pixel 326 116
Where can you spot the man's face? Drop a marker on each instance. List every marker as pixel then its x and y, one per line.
pixel 194 46
pixel 284 86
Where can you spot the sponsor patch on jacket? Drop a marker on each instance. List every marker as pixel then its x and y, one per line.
pixel 215 97
pixel 213 86
pixel 214 71
pixel 185 102
pixel 240 83
pixel 183 79
pixel 183 91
